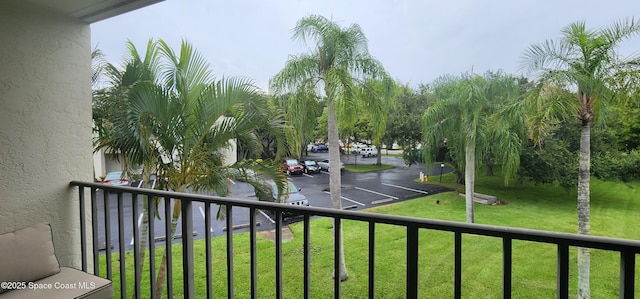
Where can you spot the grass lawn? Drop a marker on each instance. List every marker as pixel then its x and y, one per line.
pixel 615 210
pixel 366 167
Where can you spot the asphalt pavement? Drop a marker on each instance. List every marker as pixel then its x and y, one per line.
pixel 359 191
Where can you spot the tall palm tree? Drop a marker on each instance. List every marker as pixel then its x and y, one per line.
pixel 339 58
pixel 462 116
pixel 585 61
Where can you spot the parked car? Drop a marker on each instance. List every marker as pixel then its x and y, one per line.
pixel 310 166
pixel 324 165
pixel 115 178
pixel 292 166
pixel 291 196
pixel 320 148
pixel 369 152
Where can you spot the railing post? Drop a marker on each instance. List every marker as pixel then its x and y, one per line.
pixel 94 237
pixel 412 261
pixel 307 256
pixel 627 274
pixel 278 242
pixel 167 246
pixel 457 265
pixel 107 232
pixel 207 240
pixel 563 271
pixel 229 213
pixel 506 267
pixel 83 228
pixel 187 248
pixel 136 247
pixel 152 245
pixel 121 251
pixel 372 259
pixel 337 248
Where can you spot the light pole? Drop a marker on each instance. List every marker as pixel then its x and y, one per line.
pixel 441 169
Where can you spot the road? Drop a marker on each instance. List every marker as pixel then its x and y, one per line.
pixel 359 191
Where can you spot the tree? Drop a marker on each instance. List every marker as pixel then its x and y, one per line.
pixel 377 97
pixel 584 61
pixel 301 115
pixel 463 117
pixel 403 125
pixel 116 133
pixel 339 58
pixel 189 119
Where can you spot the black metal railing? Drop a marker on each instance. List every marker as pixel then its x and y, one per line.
pixel 628 249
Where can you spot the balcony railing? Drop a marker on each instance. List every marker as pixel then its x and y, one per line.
pixel 627 249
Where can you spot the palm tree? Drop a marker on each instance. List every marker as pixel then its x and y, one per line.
pixel 301 110
pixel 462 116
pixel 184 121
pixel 116 132
pixel 339 58
pixel 377 97
pixel 584 61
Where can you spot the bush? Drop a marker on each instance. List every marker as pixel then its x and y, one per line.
pixel 617 166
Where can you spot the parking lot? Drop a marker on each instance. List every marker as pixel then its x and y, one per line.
pixel 359 191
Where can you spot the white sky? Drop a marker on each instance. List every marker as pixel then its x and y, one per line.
pixel 417 41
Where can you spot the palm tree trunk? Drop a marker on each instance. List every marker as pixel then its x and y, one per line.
pixel 469 175
pixel 162 271
pixel 144 231
pixel 143 241
pixel 334 177
pixel 584 225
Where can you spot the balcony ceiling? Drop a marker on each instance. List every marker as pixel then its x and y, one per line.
pixel 91 10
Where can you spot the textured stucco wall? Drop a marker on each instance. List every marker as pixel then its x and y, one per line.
pixel 45 122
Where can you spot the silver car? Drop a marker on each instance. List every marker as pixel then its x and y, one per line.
pixel 324 165
pixel 291 196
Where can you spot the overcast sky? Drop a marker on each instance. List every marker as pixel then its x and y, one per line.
pixel 416 41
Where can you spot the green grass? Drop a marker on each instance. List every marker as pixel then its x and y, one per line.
pixel 615 209
pixel 366 167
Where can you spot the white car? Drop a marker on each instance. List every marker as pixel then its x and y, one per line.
pixel 324 165
pixel 115 178
pixel 369 152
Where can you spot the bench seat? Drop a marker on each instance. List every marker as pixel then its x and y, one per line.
pixel 29 265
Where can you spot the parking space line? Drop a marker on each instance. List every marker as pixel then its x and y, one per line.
pixel 307 175
pixel 202 213
pixel 377 202
pixel 406 188
pixel 347 199
pixel 374 192
pixel 268 218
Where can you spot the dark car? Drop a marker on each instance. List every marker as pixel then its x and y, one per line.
pixel 310 166
pixel 320 148
pixel 292 166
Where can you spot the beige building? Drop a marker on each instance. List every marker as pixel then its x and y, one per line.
pixel 45 112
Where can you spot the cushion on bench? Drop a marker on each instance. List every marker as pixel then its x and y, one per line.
pixel 69 283
pixel 27 254
pixel 27 258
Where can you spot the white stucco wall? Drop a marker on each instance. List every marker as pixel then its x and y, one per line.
pixel 45 122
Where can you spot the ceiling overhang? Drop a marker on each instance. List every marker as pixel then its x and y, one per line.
pixel 91 11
